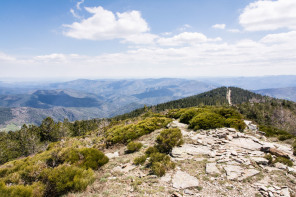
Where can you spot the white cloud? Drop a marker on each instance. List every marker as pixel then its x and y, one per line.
pixel 105 25
pixel 219 26
pixel 288 37
pixel 5 57
pixel 234 30
pixel 144 38
pixel 269 15
pixel 74 14
pixel 78 4
pixel 52 58
pixel 274 54
pixel 185 38
pixel 185 27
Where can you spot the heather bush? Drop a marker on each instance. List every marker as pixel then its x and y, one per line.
pixel 127 133
pixel 133 147
pixel 66 178
pixel 238 124
pixel 85 157
pixel 167 139
pixel 207 120
pixel 190 113
pixel 140 160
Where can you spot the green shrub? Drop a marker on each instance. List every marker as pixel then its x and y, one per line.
pixel 189 114
pixel 127 133
pixel 15 190
pixel 85 157
pixel 283 160
pixel 140 160
pixel 36 190
pixel 151 150
pixel 284 137
pixel 207 120
pixel 160 163
pixel 65 178
pixel 167 139
pixel 133 147
pixel 274 132
pixel 175 113
pixel 238 124
pixel 228 113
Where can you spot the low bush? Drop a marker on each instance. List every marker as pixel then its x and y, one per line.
pixel 140 160
pixel 190 113
pixel 228 113
pixel 275 132
pixel 85 157
pixel 283 160
pixel 167 139
pixel 207 120
pixel 160 163
pixel 66 178
pixel 127 133
pixel 238 124
pixel 36 190
pixel 133 147
pixel 151 150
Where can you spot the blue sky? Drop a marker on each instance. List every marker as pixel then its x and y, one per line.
pixel 146 38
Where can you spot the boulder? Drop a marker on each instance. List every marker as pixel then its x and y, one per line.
pixel 274 151
pixel 183 180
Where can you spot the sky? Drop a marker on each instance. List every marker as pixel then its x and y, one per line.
pixel 69 39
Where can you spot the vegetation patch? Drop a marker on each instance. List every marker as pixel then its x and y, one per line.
pixel 126 133
pixel 159 160
pixel 133 147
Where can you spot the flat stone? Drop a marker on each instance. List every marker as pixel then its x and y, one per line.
pixel 234 153
pixel 280 166
pixel 229 137
pixel 291 169
pixel 112 155
pixel 249 173
pixel 124 168
pixel 166 178
pixel 190 149
pixel 246 143
pixel 183 180
pixel 260 160
pixel 233 172
pixel 285 192
pixel 231 130
pixel 211 168
pixel 187 191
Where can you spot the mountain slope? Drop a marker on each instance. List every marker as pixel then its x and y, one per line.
pixel 86 99
pixel 261 109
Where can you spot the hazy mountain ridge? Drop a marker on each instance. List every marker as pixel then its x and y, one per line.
pixel 86 99
pixel 288 93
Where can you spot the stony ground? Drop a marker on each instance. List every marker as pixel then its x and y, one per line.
pixel 220 162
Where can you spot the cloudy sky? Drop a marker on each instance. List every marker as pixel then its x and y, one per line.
pixel 146 38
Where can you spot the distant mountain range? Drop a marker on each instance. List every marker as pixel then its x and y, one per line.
pixel 281 93
pixel 86 99
pixel 31 102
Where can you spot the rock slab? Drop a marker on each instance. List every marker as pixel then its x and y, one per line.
pixel 183 180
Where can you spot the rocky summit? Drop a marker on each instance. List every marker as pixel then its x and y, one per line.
pixel 217 162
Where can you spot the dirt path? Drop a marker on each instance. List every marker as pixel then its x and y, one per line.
pixel 228 96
